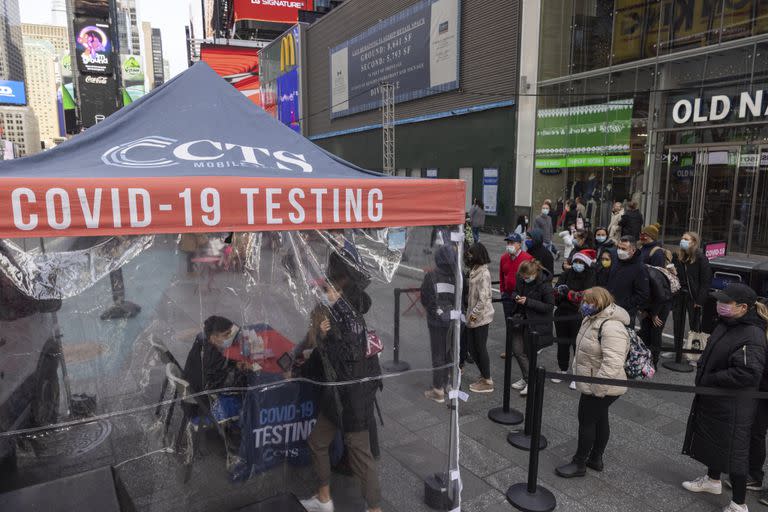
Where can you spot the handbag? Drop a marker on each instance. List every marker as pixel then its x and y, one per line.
pixel 579 222
pixel 374 345
pixel 695 341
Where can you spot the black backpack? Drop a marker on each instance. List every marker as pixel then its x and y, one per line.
pixel 661 291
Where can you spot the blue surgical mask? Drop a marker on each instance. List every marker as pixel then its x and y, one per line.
pixel 529 244
pixel 685 244
pixel 545 211
pixel 578 267
pixel 601 238
pixel 587 309
pixel 231 339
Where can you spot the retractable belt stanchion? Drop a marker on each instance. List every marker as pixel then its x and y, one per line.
pixel 396 365
pixel 523 439
pixel 529 496
pixel 504 414
pixel 678 365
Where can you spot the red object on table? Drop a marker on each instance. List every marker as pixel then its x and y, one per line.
pixel 273 341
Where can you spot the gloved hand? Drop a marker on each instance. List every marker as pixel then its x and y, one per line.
pixel 562 289
pixel 575 297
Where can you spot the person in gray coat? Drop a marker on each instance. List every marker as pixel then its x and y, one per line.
pixel 477 218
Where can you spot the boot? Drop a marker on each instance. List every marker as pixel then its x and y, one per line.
pixel 595 462
pixel 573 470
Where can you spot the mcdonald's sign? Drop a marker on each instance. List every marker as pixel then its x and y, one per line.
pixel 275 11
pixel 287 52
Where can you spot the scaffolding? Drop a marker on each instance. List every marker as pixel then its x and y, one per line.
pixel 388 127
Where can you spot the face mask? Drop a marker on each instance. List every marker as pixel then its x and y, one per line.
pixel 545 211
pixel 623 255
pixel 725 310
pixel 578 267
pixel 231 339
pixel 514 251
pixel 529 279
pixel 601 238
pixel 606 263
pixel 587 309
pixel 528 244
pixel 685 244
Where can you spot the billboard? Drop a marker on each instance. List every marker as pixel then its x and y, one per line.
pixel 93 8
pixel 97 98
pixel 133 78
pixel 275 11
pixel 12 93
pixel 280 77
pixel 584 136
pixel 238 65
pixel 288 100
pixel 416 50
pixel 93 46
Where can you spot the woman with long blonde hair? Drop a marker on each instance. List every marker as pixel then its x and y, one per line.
pixel 695 276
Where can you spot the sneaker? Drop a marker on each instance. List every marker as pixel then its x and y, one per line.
pixel 524 391
pixel 572 386
pixel 752 484
pixel 315 505
pixel 482 386
pixel 763 499
pixel 704 484
pixel 503 355
pixel 667 355
pixel 519 384
pixel 436 395
pixel 733 507
pixel 556 380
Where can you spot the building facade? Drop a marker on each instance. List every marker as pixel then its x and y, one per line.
pixel 42 87
pixel 659 102
pixel 128 28
pixel 158 70
pixel 146 34
pixel 19 126
pixel 454 68
pixel 11 51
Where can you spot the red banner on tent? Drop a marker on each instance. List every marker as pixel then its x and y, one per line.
pixel 131 206
pixel 276 11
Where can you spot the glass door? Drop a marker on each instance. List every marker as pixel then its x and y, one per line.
pixel 717 193
pixel 759 227
pixel 682 168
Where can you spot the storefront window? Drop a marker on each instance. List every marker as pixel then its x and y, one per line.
pixel 592 29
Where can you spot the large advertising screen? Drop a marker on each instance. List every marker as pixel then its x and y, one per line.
pixel 133 78
pixel 280 75
pixel 93 46
pixel 416 50
pixel 12 93
pixel 288 100
pixel 98 98
pixel 275 11
pixel 94 8
pixel 238 65
pixel 584 136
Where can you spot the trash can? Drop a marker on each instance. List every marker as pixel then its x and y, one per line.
pixel 759 281
pixel 727 270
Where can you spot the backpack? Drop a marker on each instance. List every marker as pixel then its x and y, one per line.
pixel 639 363
pixel 667 254
pixel 661 289
pixel 674 281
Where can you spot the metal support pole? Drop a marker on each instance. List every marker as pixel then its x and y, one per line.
pixel 529 496
pixel 504 414
pixel 388 127
pixel 121 308
pixel 678 365
pixel 396 365
pixel 523 439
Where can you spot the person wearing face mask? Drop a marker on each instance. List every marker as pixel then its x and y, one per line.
pixel 629 283
pixel 206 368
pixel 602 345
pixel 614 228
pixel 695 276
pixel 719 428
pixel 631 222
pixel 479 316
pixel 603 242
pixel 582 239
pixel 606 264
pixel 535 246
pixel 543 222
pixel 508 268
pixel 568 296
pixel 652 252
pixel 534 303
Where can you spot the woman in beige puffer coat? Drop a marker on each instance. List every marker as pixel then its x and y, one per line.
pixel 479 315
pixel 602 346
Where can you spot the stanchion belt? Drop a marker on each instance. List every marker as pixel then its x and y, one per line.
pixel 570 318
pixel 679 388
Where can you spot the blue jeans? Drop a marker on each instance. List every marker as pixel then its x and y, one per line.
pixel 476 234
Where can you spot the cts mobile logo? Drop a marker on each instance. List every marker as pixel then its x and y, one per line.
pixel 155 151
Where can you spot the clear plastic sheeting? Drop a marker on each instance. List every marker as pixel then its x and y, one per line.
pixel 245 368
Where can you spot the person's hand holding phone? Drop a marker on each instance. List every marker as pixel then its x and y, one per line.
pixel 325 326
pixel 521 300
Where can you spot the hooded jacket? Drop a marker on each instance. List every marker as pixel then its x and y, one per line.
pixel 438 290
pixel 479 301
pixel 539 305
pixel 631 223
pixel 652 256
pixel 602 346
pixel 608 245
pixel 614 228
pixel 718 432
pixel 630 284
pixel 539 252
pixel 544 224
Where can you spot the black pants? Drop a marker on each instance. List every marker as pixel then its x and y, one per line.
pixel 566 337
pixel 682 306
pixel 651 335
pixel 757 442
pixel 738 483
pixel 477 340
pixel 594 429
pixel 190 265
pixel 463 346
pixel 441 355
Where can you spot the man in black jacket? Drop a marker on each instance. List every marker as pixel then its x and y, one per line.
pixel 629 283
pixel 536 248
pixel 632 221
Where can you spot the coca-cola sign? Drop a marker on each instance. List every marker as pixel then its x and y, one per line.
pixel 101 80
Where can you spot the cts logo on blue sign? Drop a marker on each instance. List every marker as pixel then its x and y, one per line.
pixel 12 93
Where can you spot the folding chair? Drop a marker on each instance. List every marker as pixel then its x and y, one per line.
pixel 166 357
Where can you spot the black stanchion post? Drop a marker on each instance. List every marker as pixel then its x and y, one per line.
pixel 678 365
pixel 396 365
pixel 120 308
pixel 504 414
pixel 529 496
pixel 522 439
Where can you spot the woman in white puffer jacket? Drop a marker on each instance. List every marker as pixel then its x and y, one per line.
pixel 602 346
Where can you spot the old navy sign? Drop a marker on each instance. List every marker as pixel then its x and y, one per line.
pixel 720 107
